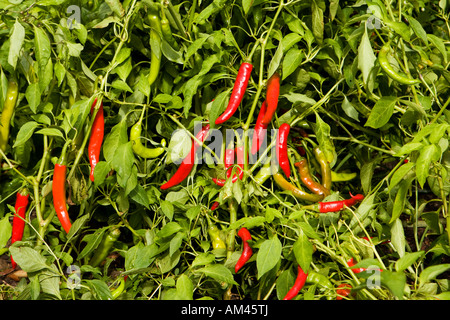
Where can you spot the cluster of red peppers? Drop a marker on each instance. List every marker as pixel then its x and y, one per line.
pixel 264 118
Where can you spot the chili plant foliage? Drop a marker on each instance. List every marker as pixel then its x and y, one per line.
pixel 136 94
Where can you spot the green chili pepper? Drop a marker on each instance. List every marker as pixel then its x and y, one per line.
pixel 343 176
pixel 116 292
pixel 7 113
pixel 155 44
pixel 105 247
pixel 389 70
pixel 138 147
pixel 319 279
pixel 167 31
pixel 263 174
pixel 325 170
pixel 216 240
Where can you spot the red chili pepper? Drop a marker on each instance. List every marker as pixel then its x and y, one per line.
pixel 247 252
pixel 334 206
pixel 96 140
pixel 188 163
pixel 215 205
pixel 282 149
pixel 259 131
pixel 343 290
pixel 298 285
pixel 237 94
pixel 59 191
pixel 19 219
pixel 273 91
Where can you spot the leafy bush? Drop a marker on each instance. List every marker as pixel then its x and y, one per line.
pixel 384 139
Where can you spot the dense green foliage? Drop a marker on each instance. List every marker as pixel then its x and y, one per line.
pixel 393 137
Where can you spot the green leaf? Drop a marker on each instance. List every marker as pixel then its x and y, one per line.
pixel 5 231
pixel 139 195
pixel 439 44
pixel 218 272
pixel 276 60
pixel 49 281
pixel 99 289
pixel 430 273
pixel 349 109
pixel 167 208
pixel 42 47
pixel 246 5
pixel 303 251
pixel 185 288
pixel 25 133
pixel 427 155
pixel 28 259
pixel 417 28
pixel 101 171
pixel 394 281
pixel 169 229
pixel 381 112
pixel 366 57
pixel 407 260
pixel 400 173
pixel 268 255
pixel 322 131
pixel 291 61
pixel 17 38
pixel 118 136
pixel 398 237
pixel 51 132
pixel 363 210
pixel 123 162
pixel 202 259
pixel 317 8
pixel 400 198
pixel 33 95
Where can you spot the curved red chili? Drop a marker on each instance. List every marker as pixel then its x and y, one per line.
pixel 298 285
pixel 334 206
pixel 282 149
pixel 59 191
pixel 19 219
pixel 237 94
pixel 96 139
pixel 259 131
pixel 247 251
pixel 272 94
pixel 188 163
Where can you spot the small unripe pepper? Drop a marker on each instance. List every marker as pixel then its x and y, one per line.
pixel 105 247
